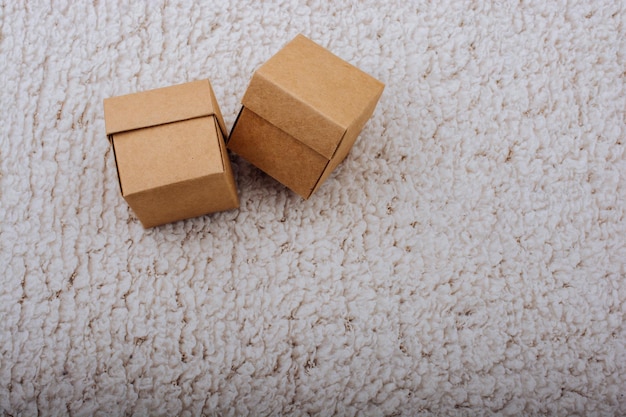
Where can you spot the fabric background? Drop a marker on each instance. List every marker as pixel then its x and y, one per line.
pixel 468 257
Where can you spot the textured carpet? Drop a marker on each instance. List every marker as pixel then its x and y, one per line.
pixel 468 257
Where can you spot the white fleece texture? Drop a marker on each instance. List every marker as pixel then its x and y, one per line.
pixel 467 258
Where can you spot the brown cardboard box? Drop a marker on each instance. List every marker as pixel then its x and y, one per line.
pixel 302 112
pixel 169 150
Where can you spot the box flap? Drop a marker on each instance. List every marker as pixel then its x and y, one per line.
pixel 160 106
pixel 311 94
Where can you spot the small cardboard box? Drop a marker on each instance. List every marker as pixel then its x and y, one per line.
pixel 301 114
pixel 169 149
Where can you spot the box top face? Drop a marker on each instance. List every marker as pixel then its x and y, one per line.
pixel 166 154
pixel 328 93
pixel 160 106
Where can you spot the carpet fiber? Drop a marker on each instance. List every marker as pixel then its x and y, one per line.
pixel 468 257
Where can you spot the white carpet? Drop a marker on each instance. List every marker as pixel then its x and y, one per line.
pixel 468 258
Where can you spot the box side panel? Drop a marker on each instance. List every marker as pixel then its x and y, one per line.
pixel 276 153
pixel 293 115
pixel 159 106
pixel 349 139
pixel 184 200
pixel 160 155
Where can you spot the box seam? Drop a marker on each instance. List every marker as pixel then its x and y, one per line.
pixel 317 182
pixel 216 174
pixel 164 124
pixel 219 142
pixel 235 124
pixel 117 169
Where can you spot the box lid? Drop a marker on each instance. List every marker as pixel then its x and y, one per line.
pixel 311 94
pixel 161 106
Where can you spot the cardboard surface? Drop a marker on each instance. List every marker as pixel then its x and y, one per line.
pixel 180 150
pixel 311 94
pixel 170 154
pixel 161 106
pixel 307 105
pixel 184 200
pixel 278 154
pixel 348 140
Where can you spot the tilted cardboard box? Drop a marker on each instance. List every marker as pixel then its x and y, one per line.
pixel 169 149
pixel 302 112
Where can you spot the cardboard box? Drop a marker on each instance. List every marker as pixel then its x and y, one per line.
pixel 301 114
pixel 169 149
